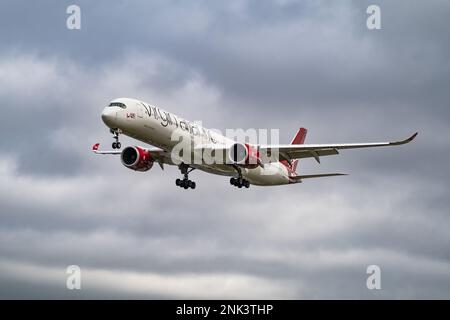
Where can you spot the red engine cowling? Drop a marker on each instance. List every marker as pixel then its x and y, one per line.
pixel 137 158
pixel 244 155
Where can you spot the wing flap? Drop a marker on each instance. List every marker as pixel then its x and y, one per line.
pixel 298 154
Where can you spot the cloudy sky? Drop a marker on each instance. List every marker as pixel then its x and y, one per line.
pixel 232 64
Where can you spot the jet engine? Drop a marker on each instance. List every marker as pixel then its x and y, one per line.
pixel 244 155
pixel 137 158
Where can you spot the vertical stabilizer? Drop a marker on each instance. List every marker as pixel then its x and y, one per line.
pixel 299 138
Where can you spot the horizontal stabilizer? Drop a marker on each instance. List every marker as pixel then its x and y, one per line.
pixel 308 176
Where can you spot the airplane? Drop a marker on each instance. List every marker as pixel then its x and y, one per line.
pixel 247 164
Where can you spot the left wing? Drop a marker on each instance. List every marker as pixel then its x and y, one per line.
pixel 159 155
pixel 289 151
pixel 97 145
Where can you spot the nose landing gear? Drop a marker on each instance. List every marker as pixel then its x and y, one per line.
pixel 116 144
pixel 185 182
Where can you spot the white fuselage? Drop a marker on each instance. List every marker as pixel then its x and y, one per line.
pixel 155 126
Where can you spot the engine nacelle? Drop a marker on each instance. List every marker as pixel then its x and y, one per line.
pixel 244 155
pixel 137 158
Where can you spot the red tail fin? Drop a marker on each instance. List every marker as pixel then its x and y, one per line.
pixel 300 136
pixel 298 139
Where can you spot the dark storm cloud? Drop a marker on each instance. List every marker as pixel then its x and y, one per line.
pixel 276 64
pixel 289 48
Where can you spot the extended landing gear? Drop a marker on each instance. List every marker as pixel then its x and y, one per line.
pixel 185 183
pixel 116 144
pixel 239 182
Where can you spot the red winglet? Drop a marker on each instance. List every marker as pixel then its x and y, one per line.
pixel 95 147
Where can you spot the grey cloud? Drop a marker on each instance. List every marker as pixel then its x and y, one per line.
pixel 279 64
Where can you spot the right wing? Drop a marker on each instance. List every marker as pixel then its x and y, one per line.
pixel 299 151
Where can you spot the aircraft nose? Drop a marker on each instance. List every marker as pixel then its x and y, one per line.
pixel 108 116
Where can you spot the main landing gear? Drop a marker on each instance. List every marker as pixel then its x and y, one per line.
pixel 185 183
pixel 116 144
pixel 239 181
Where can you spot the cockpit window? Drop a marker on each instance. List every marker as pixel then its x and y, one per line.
pixel 118 104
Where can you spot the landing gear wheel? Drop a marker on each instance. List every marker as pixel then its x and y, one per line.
pixel 239 182
pixel 185 183
pixel 116 144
